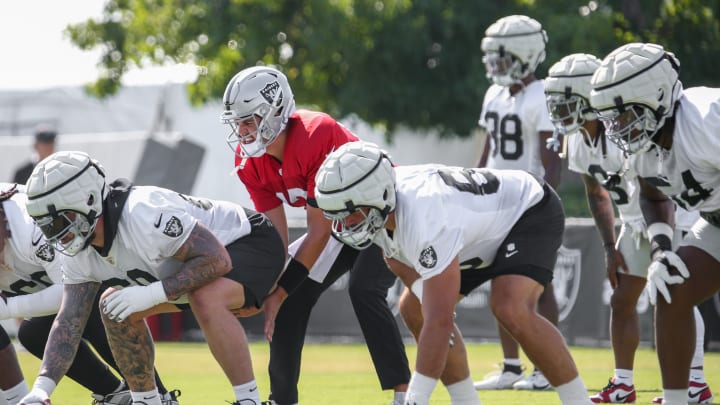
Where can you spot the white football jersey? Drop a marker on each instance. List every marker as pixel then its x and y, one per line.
pixel 154 223
pixel 27 263
pixel 600 162
pixel 513 124
pixel 690 171
pixel 444 212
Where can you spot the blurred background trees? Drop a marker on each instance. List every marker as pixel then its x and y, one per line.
pixel 415 63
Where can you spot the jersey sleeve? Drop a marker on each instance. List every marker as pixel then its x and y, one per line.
pixel 157 228
pixel 250 176
pixel 538 109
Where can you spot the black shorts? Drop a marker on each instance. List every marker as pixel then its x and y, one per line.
pixel 257 259
pixel 530 249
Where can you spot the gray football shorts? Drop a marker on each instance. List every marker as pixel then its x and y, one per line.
pixel 704 236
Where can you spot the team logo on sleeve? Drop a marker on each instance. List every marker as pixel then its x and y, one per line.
pixel 45 253
pixel 173 227
pixel 428 258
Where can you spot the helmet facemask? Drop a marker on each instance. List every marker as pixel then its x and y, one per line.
pixel 631 130
pixel 68 232
pixel 566 113
pixel 268 123
pixel 359 235
pixel 503 68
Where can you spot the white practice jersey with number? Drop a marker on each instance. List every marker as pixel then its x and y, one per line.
pixel 445 212
pixel 27 263
pixel 513 124
pixel 153 225
pixel 602 160
pixel 690 171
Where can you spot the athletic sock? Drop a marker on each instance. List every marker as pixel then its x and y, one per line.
pixel 623 376
pixel 146 397
pixel 15 393
pixel 249 390
pixel 463 393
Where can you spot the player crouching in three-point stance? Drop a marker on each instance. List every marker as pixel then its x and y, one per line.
pixel 433 221
pixel 161 250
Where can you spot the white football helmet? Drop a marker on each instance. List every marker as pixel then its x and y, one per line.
pixel 356 175
pixel 260 93
pixel 514 46
pixel 633 91
pixel 65 193
pixel 567 91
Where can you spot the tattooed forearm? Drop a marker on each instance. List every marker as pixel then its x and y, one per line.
pixel 134 352
pixel 67 329
pixel 204 259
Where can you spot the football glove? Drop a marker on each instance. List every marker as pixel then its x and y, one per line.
pixel 123 303
pixel 659 276
pixel 40 392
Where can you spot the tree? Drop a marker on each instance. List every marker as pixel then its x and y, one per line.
pixel 415 63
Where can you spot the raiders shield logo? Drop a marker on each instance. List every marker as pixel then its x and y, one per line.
pixel 173 227
pixel 270 91
pixel 566 280
pixel 45 253
pixel 428 258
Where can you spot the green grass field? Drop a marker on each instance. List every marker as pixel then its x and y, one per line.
pixel 343 374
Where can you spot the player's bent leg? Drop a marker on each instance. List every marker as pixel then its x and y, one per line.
pixel 211 305
pixel 12 381
pixel 512 300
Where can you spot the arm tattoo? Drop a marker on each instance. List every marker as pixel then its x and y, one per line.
pixel 67 329
pixel 204 259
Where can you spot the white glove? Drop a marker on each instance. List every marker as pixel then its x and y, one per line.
pixel 553 143
pixel 4 310
pixel 40 392
pixel 123 303
pixel 659 275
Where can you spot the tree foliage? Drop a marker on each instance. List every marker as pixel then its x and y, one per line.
pixel 415 63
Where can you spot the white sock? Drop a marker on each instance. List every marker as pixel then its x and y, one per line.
pixel 420 389
pixel 675 397
pixel 15 394
pixel 697 360
pixel 399 397
pixel 697 375
pixel 146 397
pixel 623 376
pixel 512 362
pixel 249 390
pixel 463 393
pixel 573 392
pixel 3 401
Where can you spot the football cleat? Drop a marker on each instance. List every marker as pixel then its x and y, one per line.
pixel 171 397
pixel 698 393
pixel 615 394
pixel 536 381
pixel 120 397
pixel 500 381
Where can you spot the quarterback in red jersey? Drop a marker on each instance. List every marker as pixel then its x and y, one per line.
pixel 278 151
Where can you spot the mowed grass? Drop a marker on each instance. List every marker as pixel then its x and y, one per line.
pixel 343 374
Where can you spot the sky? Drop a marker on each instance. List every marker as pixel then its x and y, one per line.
pixel 35 53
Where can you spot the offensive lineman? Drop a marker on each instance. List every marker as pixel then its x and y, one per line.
pixel 158 250
pixel 432 221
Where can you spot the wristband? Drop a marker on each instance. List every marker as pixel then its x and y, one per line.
pixel 45 383
pixel 295 273
pixel 660 236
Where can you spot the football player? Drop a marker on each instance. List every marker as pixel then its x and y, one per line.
pixel 30 283
pixel 672 132
pixel 514 118
pixel 157 250
pixel 609 177
pixel 503 226
pixel 278 150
